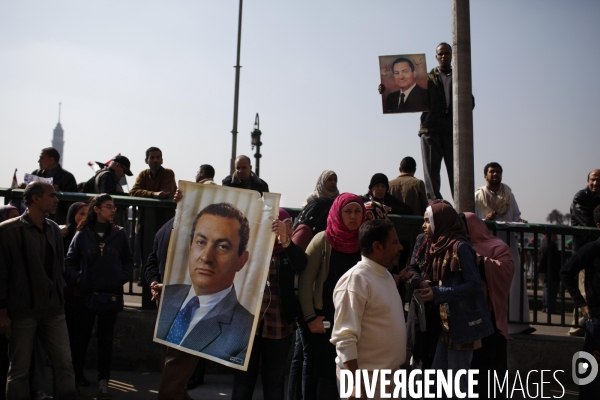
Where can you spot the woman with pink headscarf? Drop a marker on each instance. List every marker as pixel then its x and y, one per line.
pixel 330 254
pixel 497 273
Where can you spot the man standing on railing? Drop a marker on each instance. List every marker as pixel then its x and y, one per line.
pixel 63 180
pixel 496 202
pixel 582 208
pixel 587 259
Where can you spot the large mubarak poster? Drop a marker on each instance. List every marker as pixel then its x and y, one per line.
pixel 403 83
pixel 217 266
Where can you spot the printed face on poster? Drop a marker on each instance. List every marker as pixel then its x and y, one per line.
pixel 217 266
pixel 404 78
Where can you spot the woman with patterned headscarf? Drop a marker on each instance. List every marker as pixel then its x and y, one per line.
pixel 457 290
pixel 330 254
pixel 326 187
pixel 423 322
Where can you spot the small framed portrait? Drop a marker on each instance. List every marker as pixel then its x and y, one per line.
pixel 403 83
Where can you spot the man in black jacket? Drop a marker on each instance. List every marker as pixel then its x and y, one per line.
pixel 108 180
pixel 582 208
pixel 63 180
pixel 436 132
pixel 587 259
pixel 244 177
pixel 31 293
pixel 379 191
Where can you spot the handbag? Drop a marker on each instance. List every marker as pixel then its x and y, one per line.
pixel 104 302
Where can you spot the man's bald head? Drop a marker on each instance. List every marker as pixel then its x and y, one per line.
pixel 243 167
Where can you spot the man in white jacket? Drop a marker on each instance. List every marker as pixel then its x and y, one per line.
pixel 369 332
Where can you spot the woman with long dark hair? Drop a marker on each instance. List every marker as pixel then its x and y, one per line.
pixel 99 262
pixel 330 254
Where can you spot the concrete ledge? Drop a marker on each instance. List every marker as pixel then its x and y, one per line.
pixel 134 349
pixel 547 352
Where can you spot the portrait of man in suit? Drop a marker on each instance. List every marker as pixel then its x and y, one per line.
pixel 411 97
pixel 206 316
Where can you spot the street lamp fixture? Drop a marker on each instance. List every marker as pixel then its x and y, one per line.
pixel 255 134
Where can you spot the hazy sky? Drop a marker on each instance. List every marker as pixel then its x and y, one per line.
pixel 135 74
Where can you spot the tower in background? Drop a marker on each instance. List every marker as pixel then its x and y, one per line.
pixel 58 138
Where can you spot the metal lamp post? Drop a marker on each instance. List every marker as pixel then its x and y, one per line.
pixel 256 142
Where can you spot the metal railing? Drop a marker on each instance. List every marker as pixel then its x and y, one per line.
pixel 133 205
pixel 406 226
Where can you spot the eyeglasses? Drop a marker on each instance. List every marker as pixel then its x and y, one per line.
pixel 109 207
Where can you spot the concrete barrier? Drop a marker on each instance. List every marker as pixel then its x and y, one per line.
pixel 134 349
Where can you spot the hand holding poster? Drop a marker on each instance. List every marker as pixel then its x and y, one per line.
pixel 403 83
pixel 216 270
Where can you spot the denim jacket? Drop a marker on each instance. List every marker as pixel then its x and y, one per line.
pixel 462 292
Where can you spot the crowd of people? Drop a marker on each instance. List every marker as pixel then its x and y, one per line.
pixel 352 269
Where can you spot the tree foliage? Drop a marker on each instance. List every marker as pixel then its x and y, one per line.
pixel 556 217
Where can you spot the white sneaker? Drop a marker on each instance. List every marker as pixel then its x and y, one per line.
pixel 103 390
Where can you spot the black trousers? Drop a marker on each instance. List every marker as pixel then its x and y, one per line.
pixel 83 329
pixel 269 356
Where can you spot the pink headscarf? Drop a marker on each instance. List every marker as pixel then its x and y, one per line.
pixel 499 269
pixel 337 234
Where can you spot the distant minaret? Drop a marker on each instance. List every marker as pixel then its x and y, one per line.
pixel 57 139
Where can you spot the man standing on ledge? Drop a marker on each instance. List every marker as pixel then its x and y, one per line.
pixel 437 137
pixel 496 202
pixel 369 331
pixel 244 178
pixel 436 132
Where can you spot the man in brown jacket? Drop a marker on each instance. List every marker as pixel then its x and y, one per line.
pixel 409 189
pixel 156 182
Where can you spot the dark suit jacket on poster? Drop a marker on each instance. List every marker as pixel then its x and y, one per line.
pixel 223 333
pixel 416 101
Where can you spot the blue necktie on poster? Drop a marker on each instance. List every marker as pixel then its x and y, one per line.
pixel 182 321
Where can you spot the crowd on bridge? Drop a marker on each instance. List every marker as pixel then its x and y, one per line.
pixel 354 271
